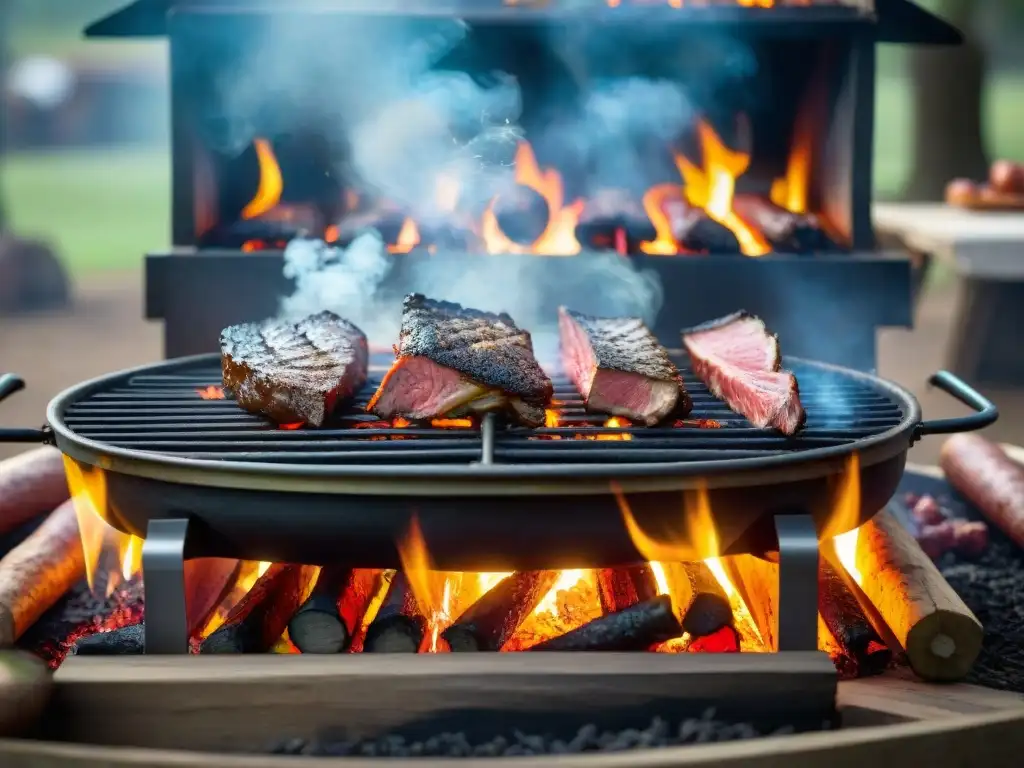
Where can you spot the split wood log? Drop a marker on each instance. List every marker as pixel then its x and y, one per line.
pixel 694 230
pixel 208 580
pixel 636 628
pixel 399 626
pixel 25 686
pixel 610 211
pixel 940 635
pixel 619 588
pixel 330 618
pixel 31 484
pixel 489 622
pixel 700 601
pixel 987 477
pixel 757 582
pixel 864 652
pixel 522 214
pixel 261 617
pixel 787 232
pixel 36 573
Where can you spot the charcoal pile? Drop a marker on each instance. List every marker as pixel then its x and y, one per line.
pixel 705 729
pixel 990 582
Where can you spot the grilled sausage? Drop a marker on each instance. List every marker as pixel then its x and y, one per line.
pixel 31 483
pixel 989 479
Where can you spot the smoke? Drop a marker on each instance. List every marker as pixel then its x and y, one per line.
pixel 365 284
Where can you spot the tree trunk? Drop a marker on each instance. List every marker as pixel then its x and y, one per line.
pixel 948 89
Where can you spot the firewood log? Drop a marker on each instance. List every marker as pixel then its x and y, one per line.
pixel 208 580
pixel 522 214
pixel 31 484
pixel 609 211
pixel 489 622
pixel 757 582
pixel 261 617
pixel 787 232
pixel 399 626
pixel 865 651
pixel 694 230
pixel 620 588
pixel 940 635
pixel 123 641
pixel 636 628
pixel 330 618
pixel 35 574
pixel 700 601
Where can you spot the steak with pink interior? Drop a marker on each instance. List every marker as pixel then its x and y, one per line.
pixel 620 369
pixel 739 361
pixel 454 361
pixel 294 372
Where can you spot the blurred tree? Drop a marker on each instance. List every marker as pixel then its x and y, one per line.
pixel 948 87
pixel 4 64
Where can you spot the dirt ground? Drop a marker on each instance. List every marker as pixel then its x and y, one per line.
pixel 105 332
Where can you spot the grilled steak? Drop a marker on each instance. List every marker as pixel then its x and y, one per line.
pixel 620 368
pixel 455 361
pixel 739 361
pixel 294 372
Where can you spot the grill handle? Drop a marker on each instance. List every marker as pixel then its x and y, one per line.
pixel 953 385
pixel 9 384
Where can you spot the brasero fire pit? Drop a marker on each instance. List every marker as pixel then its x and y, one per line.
pixel 723 151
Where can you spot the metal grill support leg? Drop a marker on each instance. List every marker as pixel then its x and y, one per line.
pixel 163 573
pixel 797 617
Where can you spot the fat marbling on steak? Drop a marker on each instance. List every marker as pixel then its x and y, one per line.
pixel 619 367
pixel 294 372
pixel 455 361
pixel 739 361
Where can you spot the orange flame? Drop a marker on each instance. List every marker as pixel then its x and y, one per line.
pixel 559 237
pixel 694 537
pixel 654 201
pixel 432 590
pixel 268 193
pixel 248 574
pixel 712 187
pixel 846 517
pixel 211 393
pixel 452 423
pixel 408 237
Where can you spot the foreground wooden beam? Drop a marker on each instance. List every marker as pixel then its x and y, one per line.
pixel 228 702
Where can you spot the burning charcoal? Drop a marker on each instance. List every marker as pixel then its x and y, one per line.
pixel 700 601
pixel 327 621
pixel 271 233
pixel 620 588
pixel 635 628
pixel 490 621
pixel 700 234
pixel 261 617
pixel 786 231
pixel 522 214
pixel 845 620
pixel 398 627
pixel 125 641
pixel 608 212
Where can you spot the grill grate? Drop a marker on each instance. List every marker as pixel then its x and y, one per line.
pixel 164 413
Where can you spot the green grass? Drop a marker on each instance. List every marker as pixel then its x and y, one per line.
pixel 105 209
pixel 102 209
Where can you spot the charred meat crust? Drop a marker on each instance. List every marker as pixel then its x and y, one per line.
pixel 294 372
pixel 488 348
pixel 626 344
pixel 742 314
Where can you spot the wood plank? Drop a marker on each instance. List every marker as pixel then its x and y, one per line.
pixel 224 702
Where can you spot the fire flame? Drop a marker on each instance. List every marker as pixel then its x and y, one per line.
pixel 408 237
pixel 846 517
pixel 432 589
pixel 559 237
pixel 655 202
pixel 712 186
pixel 268 193
pixel 211 393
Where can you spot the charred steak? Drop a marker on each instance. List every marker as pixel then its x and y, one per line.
pixel 620 368
pixel 294 372
pixel 739 361
pixel 456 361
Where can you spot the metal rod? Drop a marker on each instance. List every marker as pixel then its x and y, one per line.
pixel 797 617
pixel 487 439
pixel 163 573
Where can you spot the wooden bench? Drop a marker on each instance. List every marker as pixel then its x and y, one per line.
pixel 986 250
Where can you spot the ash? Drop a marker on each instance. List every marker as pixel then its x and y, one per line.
pixel 695 730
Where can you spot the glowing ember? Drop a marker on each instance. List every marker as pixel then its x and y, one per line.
pixel 711 187
pixel 399 423
pixel 268 193
pixel 296 425
pixel 550 418
pixel 452 423
pixel 559 237
pixel 211 393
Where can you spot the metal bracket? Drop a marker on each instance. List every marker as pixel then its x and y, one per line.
pixel 797 617
pixel 163 573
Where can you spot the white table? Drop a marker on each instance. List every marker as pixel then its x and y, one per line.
pixel 986 250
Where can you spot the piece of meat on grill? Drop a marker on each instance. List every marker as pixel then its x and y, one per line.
pixel 620 369
pixel 294 372
pixel 454 361
pixel 739 361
